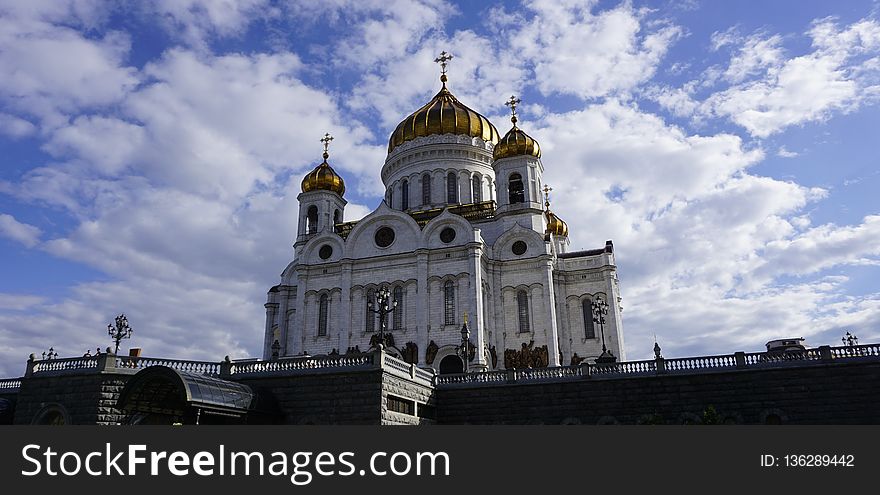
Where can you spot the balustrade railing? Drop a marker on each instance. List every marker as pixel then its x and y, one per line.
pixel 702 362
pixel 64 364
pixel 697 364
pixel 855 351
pixel 10 383
pixel 311 363
pixel 664 366
pixel 197 367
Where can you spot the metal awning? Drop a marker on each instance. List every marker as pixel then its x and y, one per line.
pixel 164 390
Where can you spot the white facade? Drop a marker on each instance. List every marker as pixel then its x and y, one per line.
pixel 532 299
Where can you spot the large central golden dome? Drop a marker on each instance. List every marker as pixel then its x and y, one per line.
pixel 444 114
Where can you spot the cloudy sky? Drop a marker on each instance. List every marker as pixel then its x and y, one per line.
pixel 151 153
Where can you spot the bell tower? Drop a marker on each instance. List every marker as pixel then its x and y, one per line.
pixel 321 205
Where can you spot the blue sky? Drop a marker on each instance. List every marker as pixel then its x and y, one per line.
pixel 152 151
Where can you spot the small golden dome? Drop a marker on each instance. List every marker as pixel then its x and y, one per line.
pixel 444 114
pixel 516 143
pixel 323 177
pixel 555 225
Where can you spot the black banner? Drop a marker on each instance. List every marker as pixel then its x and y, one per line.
pixel 443 459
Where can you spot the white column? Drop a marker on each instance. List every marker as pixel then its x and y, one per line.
pixel 271 309
pixel 296 320
pixel 344 309
pixel 552 331
pixel 476 296
pixel 421 296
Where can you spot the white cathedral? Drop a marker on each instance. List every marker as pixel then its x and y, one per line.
pixel 463 234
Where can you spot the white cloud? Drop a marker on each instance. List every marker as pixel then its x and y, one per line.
pixel 784 153
pixel 196 22
pixel 19 232
pixel 15 127
pixel 19 302
pixel 50 70
pixel 574 51
pixel 755 54
pixel 837 76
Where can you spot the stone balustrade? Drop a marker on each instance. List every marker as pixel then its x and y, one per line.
pixel 688 365
pixel 372 360
pixel 10 383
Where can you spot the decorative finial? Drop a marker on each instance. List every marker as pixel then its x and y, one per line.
pixel 442 60
pixel 512 103
pixel 326 140
pixel 547 190
pixel 465 317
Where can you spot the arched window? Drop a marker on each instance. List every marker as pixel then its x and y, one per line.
pixel 398 311
pixel 477 186
pixel 404 195
pixel 451 188
pixel 390 197
pixel 370 317
pixel 337 216
pixel 426 189
pixel 589 329
pixel 323 309
pixel 522 311
pixel 312 219
pixel 449 303
pixel 515 189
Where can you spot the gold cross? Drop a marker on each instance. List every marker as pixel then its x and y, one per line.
pixel 326 140
pixel 442 60
pixel 512 103
pixel 547 190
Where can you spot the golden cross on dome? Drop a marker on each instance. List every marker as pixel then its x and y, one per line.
pixel 547 190
pixel 512 103
pixel 326 140
pixel 443 59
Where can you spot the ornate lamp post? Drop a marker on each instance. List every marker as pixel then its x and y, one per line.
pixel 383 307
pixel 121 331
pixel 600 310
pixel 850 340
pixel 462 350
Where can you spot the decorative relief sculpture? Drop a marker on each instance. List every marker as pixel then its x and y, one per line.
pixel 472 350
pixel 431 352
pixel 411 353
pixel 528 356
pixel 576 360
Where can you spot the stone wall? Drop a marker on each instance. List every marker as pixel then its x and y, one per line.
pixel 818 393
pixel 420 395
pixel 81 398
pixel 352 397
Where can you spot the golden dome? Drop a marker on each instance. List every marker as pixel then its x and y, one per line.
pixel 444 114
pixel 516 143
pixel 555 225
pixel 323 177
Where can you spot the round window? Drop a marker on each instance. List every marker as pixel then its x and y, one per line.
pixel 325 252
pixel 384 236
pixel 447 235
pixel 518 248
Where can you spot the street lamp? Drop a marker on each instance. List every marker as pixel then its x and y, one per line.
pixel 121 331
pixel 850 340
pixel 462 350
pixel 383 307
pixel 600 310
